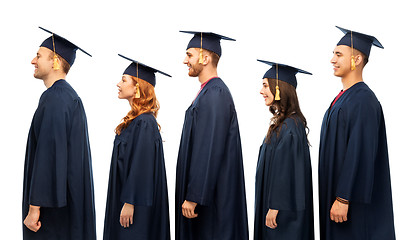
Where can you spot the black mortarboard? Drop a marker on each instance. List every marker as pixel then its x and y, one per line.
pixel 61 46
pixel 142 71
pixel 206 40
pixel 283 72
pixel 360 41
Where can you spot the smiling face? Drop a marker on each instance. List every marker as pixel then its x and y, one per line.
pixel 341 60
pixel 43 63
pixel 266 93
pixel 127 88
pixel 192 61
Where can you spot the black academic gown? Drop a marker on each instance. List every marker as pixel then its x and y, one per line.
pixel 58 168
pixel 284 183
pixel 354 165
pixel 137 176
pixel 210 169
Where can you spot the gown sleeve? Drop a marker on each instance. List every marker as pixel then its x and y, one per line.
pixel 211 123
pixel 357 174
pixel 49 175
pixel 288 170
pixel 141 154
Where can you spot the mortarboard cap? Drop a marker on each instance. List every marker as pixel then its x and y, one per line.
pixel 361 42
pixel 283 72
pixel 142 71
pixel 206 40
pixel 61 46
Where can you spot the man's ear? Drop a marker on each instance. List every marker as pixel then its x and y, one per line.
pixel 206 59
pixel 359 59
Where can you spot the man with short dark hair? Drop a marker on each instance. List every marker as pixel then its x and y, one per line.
pixel 58 197
pixel 354 181
pixel 210 190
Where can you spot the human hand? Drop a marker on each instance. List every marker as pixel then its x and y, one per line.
pixel 271 218
pixel 31 221
pixel 126 215
pixel 338 213
pixel 188 209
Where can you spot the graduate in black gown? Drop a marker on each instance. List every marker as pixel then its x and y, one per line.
pixel 58 197
pixel 137 204
pixel 355 196
pixel 283 203
pixel 210 200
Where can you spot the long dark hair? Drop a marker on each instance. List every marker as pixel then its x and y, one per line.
pixel 287 106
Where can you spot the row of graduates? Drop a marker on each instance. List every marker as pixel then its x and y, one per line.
pixel 210 201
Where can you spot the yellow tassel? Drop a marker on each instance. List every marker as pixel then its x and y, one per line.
pixel 201 56
pixel 201 49
pixel 137 91
pixel 277 98
pixel 352 53
pixel 352 63
pixel 56 65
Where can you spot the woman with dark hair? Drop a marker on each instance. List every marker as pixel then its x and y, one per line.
pixel 137 202
pixel 283 204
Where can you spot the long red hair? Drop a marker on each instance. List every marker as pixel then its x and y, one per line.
pixel 147 103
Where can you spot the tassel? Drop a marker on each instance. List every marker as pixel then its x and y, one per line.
pixel 352 63
pixel 137 95
pixel 277 98
pixel 201 56
pixel 56 65
pixel 352 53
pixel 201 49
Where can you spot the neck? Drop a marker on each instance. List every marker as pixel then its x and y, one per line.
pixel 351 79
pixel 207 74
pixel 51 79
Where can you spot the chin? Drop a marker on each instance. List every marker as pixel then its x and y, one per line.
pixel 337 74
pixel 37 76
pixel 193 74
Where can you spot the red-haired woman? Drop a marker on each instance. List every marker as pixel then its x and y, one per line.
pixel 137 202
pixel 283 204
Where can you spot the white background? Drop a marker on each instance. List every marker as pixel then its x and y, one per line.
pixel 297 33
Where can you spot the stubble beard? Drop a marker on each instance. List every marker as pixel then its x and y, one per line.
pixel 194 71
pixel 37 74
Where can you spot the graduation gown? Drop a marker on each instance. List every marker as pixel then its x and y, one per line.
pixel 210 169
pixel 284 183
pixel 354 165
pixel 58 168
pixel 137 176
